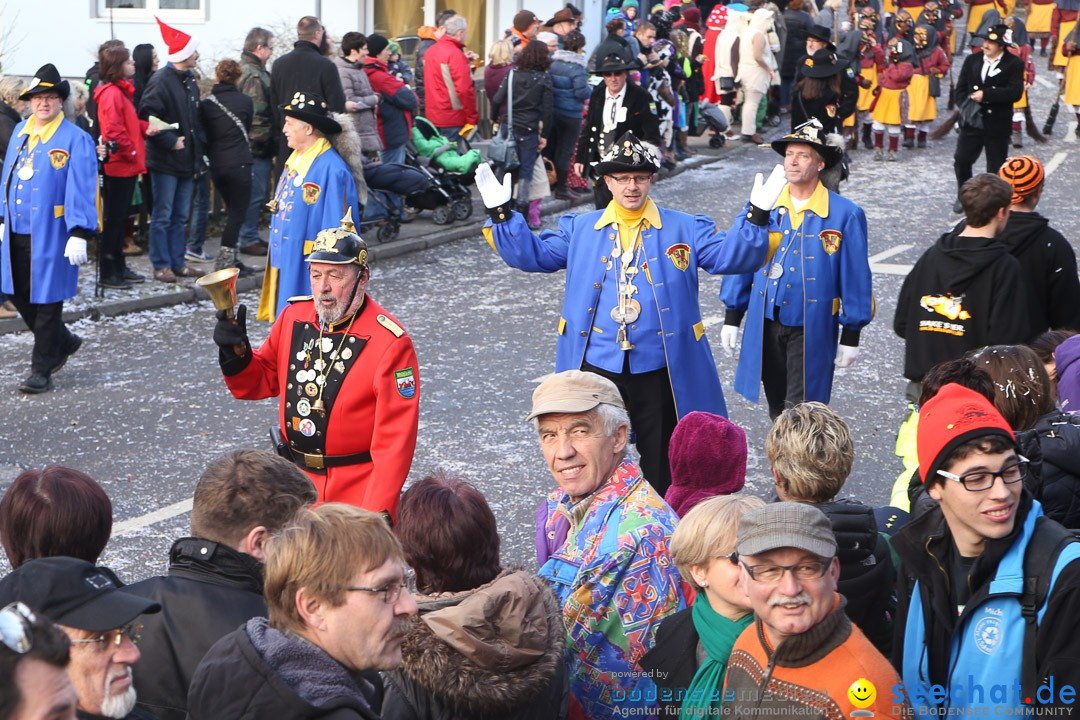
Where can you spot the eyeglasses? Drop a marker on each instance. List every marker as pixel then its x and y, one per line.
pixel 391 591
pixel 808 570
pixel 15 632
pixel 979 480
pixel 636 179
pixel 617 73
pixel 132 631
pixel 732 557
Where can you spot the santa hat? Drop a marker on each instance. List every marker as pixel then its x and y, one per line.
pixel 181 45
pixel 951 418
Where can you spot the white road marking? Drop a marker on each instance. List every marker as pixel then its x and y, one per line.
pixel 712 320
pixel 890 252
pixel 1070 137
pixel 1046 83
pixel 1055 162
pixel 151 518
pixel 888 269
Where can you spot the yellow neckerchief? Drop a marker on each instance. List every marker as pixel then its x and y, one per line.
pixel 300 163
pixel 629 220
pixel 44 134
pixel 818 202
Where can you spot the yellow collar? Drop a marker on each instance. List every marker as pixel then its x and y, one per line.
pixel 300 163
pixel 616 214
pixel 818 203
pixel 43 134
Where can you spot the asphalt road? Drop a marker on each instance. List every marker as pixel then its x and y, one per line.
pixel 142 407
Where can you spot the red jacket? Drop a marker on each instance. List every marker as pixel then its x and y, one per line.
pixel 373 402
pixel 118 122
pixel 449 92
pixel 897 75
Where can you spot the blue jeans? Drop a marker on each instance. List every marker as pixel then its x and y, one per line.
pixel 172 201
pixel 394 155
pixel 200 214
pixel 528 149
pixel 260 193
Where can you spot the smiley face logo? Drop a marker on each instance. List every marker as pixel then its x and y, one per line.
pixel 862 693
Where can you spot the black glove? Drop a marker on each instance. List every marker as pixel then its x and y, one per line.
pixel 229 333
pixel 231 336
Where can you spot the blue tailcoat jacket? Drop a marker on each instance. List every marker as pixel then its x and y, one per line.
pixel 62 202
pixel 674 252
pixel 317 203
pixel 826 285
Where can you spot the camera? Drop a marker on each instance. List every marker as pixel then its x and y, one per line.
pixel 111 146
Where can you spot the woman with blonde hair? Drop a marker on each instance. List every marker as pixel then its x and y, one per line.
pixel 500 62
pixel 693 645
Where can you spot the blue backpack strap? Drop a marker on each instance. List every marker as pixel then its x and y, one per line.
pixel 1047 542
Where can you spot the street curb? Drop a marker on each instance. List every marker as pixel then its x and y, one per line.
pixel 394 248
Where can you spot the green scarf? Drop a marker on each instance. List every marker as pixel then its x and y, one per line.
pixel 718 635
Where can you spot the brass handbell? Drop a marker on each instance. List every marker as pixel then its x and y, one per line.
pixel 624 342
pixel 221 286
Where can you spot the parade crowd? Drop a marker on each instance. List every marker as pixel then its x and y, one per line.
pixel 315 584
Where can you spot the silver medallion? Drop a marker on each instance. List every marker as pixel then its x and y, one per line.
pixel 775 271
pixel 628 313
pixel 298 181
pixel 303 407
pixel 26 172
pixel 627 257
pixel 327 344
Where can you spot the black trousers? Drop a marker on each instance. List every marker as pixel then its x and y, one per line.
pixel 51 337
pixel 562 141
pixel 651 406
pixel 782 366
pixel 234 184
pixel 601 195
pixel 969 145
pixel 116 194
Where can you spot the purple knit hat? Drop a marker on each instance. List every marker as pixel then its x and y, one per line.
pixel 707 454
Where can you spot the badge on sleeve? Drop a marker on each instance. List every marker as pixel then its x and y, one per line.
pixel 406 382
pixel 311 193
pixel 830 240
pixel 679 254
pixel 58 158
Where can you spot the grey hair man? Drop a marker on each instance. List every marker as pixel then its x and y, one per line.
pixel 606 533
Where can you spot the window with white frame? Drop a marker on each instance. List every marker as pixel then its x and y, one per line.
pixel 142 10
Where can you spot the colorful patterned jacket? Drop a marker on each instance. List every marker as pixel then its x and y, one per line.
pixel 615 581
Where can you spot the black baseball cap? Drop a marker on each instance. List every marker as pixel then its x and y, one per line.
pixel 74 593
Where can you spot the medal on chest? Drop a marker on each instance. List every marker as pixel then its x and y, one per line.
pixel 626 265
pixel 26 170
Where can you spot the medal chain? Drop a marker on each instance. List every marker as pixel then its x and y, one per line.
pixel 623 282
pixel 325 372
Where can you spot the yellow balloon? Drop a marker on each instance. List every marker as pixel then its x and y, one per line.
pixel 862 693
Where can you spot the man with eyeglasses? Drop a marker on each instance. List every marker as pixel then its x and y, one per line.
pixel 47 213
pixel 101 620
pixel 339 608
pixel 802 654
pixel 631 311
pixel 965 566
pixel 34 655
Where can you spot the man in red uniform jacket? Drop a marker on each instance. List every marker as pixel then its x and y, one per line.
pixel 347 376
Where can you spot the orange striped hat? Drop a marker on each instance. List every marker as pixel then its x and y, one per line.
pixel 1024 173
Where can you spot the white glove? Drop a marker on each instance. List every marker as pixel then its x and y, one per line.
pixel 491 190
pixel 846 356
pixel 764 194
pixel 75 251
pixel 729 335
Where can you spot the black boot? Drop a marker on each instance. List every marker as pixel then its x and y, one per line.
pixel 909 137
pixel 562 190
pixel 867 141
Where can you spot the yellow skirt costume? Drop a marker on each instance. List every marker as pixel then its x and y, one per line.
pixel 975 15
pixel 887 110
pixel 866 95
pixel 1063 32
pixel 1038 17
pixel 1072 81
pixel 921 107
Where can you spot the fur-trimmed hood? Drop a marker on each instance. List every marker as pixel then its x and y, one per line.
pixel 485 651
pixel 347 144
pixel 573 58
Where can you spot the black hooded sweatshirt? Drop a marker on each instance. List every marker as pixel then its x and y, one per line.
pixel 963 293
pixel 1049 266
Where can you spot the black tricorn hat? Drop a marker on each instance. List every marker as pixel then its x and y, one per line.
pixel 628 155
pixel 822 64
pixel 809 133
pixel 47 79
pixel 311 108
pixel 615 62
pixel 820 32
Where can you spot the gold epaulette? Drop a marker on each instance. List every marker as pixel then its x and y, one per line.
pixel 391 325
pixel 300 298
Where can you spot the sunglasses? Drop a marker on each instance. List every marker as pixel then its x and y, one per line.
pixel 15 633
pixel 617 73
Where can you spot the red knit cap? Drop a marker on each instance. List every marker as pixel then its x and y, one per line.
pixel 707 454
pixel 1024 173
pixel 951 418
